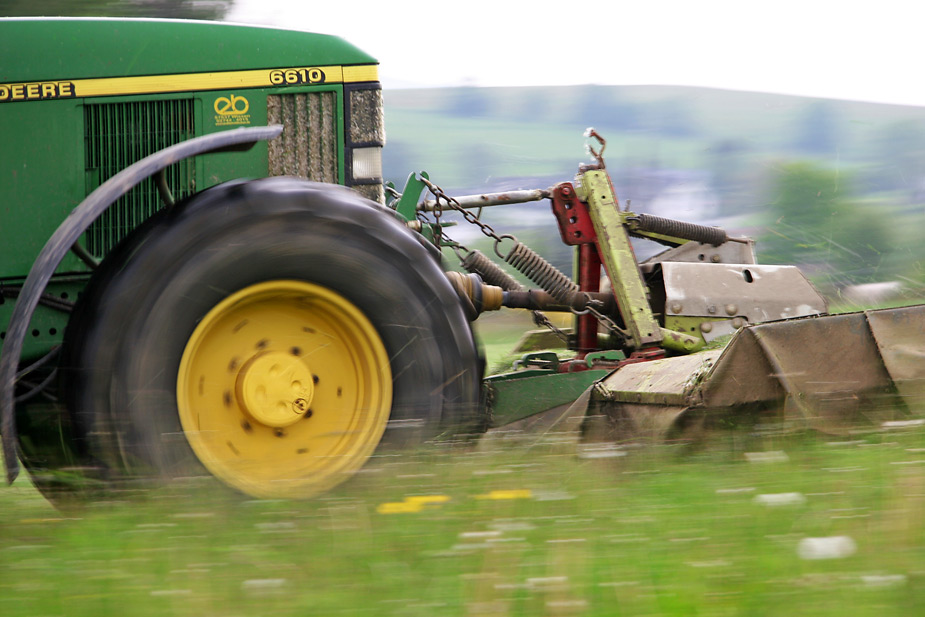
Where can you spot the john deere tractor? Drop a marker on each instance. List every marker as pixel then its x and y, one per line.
pixel 202 273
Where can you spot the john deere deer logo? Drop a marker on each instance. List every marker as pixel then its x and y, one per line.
pixel 231 109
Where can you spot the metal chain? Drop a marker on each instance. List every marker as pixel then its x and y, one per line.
pixel 461 250
pixel 440 197
pixel 592 308
pixel 539 318
pixel 438 228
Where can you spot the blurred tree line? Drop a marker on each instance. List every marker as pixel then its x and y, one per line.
pixel 180 9
pixel 813 218
pixel 602 107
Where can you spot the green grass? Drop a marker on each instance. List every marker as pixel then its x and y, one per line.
pixel 511 526
pixel 657 531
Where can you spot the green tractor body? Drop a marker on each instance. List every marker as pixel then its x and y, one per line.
pixel 82 99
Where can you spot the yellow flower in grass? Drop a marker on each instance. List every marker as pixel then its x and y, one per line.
pixel 399 507
pixel 519 493
pixel 428 499
pixel 415 503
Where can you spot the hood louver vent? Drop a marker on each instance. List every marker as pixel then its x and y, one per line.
pixel 119 134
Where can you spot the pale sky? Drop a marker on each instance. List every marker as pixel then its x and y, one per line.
pixel 846 49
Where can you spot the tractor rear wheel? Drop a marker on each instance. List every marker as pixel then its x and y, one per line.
pixel 274 333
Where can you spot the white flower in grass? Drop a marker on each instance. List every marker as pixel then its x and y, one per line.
pixel 780 499
pixel 832 547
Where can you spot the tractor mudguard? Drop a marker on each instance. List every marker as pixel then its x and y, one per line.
pixel 69 232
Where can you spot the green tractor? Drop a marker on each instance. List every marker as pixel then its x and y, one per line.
pixel 201 274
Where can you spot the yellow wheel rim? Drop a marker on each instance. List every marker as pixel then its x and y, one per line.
pixel 284 389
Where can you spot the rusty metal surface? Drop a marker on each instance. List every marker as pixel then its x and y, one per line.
pixel 900 337
pixel 830 368
pixel 741 375
pixel 491 199
pixel 824 372
pixel 756 292
pixel 670 381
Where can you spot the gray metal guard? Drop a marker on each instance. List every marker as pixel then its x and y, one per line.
pixel 68 233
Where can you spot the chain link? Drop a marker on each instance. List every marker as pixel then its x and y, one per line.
pixel 539 318
pixel 440 197
pixel 592 308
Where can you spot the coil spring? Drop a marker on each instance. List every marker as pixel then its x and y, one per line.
pixel 533 266
pixel 477 263
pixel 681 229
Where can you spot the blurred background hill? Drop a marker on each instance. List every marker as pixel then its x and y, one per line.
pixel 835 186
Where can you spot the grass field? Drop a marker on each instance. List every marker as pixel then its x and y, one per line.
pixel 749 525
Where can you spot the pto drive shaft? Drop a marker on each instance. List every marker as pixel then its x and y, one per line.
pixel 491 298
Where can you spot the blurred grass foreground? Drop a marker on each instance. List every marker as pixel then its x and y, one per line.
pixel 747 525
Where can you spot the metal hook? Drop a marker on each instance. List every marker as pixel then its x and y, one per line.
pixel 598 156
pixel 461 251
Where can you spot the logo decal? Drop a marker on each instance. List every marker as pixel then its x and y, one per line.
pixel 37 91
pixel 231 109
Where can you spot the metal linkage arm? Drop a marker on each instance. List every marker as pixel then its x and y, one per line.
pixel 619 259
pixel 492 199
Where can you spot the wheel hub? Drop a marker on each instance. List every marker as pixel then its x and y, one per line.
pixel 275 389
pixel 260 364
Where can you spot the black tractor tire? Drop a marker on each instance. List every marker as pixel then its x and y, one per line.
pixel 159 381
